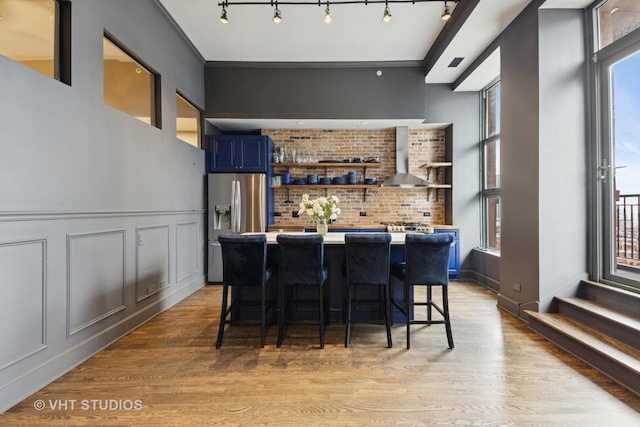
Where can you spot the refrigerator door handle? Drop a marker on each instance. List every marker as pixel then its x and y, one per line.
pixel 233 206
pixel 238 208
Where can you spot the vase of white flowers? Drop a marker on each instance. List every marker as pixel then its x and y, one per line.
pixel 321 210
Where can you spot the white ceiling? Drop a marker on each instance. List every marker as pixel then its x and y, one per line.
pixel 356 34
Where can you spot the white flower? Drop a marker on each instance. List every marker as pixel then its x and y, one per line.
pixel 320 208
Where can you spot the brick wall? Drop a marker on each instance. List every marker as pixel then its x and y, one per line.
pixel 381 204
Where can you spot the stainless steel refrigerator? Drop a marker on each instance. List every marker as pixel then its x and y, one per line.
pixel 237 204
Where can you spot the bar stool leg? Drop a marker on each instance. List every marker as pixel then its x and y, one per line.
pixel 321 314
pixel 407 305
pixel 387 315
pixel 283 309
pixel 445 304
pixel 347 335
pixel 263 320
pixel 223 315
pixel 429 304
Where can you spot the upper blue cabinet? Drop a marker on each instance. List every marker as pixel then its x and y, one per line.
pixel 238 153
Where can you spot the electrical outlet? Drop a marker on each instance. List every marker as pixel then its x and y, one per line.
pixel 517 287
pixel 426 213
pixel 294 214
pixel 363 214
pixel 277 214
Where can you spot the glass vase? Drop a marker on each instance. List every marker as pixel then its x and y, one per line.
pixel 321 226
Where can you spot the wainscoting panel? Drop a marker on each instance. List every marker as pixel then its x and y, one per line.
pixel 187 249
pixel 152 260
pixel 22 306
pixel 96 277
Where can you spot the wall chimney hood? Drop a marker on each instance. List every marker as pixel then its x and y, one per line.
pixel 403 178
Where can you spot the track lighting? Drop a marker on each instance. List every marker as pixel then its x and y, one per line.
pixel 277 14
pixel 223 17
pixel 446 12
pixel 387 14
pixel 327 15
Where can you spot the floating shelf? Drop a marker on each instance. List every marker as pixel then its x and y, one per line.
pixel 436 165
pixel 328 165
pixel 345 186
pixel 363 187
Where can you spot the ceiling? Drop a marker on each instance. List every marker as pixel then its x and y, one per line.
pixel 356 34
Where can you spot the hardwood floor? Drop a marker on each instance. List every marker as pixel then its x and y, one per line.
pixel 168 372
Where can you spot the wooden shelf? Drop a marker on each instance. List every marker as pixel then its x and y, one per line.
pixel 363 187
pixel 328 165
pixel 436 165
pixel 337 186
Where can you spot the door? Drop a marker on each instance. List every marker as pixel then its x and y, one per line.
pixel 620 165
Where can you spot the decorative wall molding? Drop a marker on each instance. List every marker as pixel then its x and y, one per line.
pixel 152 250
pixel 96 277
pixel 26 317
pixel 187 250
pixel 55 215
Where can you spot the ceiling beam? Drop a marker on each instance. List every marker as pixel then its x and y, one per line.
pixel 458 18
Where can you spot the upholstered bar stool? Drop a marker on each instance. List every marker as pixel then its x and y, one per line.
pixel 426 264
pixel 244 263
pixel 300 265
pixel 367 265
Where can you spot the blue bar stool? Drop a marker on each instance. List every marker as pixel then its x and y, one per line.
pixel 426 264
pixel 301 265
pixel 244 263
pixel 367 264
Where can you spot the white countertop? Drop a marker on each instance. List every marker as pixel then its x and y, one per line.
pixel 333 238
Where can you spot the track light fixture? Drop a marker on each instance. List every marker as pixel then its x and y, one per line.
pixel 277 15
pixel 327 15
pixel 223 17
pixel 446 12
pixel 387 15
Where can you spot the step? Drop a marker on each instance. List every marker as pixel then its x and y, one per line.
pixel 622 327
pixel 612 297
pixel 614 359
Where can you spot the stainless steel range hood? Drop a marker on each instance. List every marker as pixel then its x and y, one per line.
pixel 403 178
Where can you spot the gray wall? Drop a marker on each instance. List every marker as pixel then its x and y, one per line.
pixel 462 110
pixel 562 153
pixel 543 158
pixel 313 91
pixel 101 215
pixel 519 165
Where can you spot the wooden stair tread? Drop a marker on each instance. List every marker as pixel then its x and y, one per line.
pixel 624 319
pixel 610 347
pixel 605 287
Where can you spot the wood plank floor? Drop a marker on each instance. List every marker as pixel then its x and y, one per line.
pixel 499 374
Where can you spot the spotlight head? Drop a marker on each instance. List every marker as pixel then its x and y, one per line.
pixel 327 15
pixel 387 14
pixel 446 12
pixel 277 16
pixel 223 17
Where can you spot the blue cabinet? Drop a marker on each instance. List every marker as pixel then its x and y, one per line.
pixel 454 254
pixel 238 153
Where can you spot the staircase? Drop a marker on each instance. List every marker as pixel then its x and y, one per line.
pixel 600 326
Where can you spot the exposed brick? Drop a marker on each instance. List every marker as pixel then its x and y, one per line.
pixel 382 204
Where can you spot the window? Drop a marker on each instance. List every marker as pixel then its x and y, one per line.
pixel 615 238
pixel 490 146
pixel 616 18
pixel 129 85
pixel 37 33
pixel 187 121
